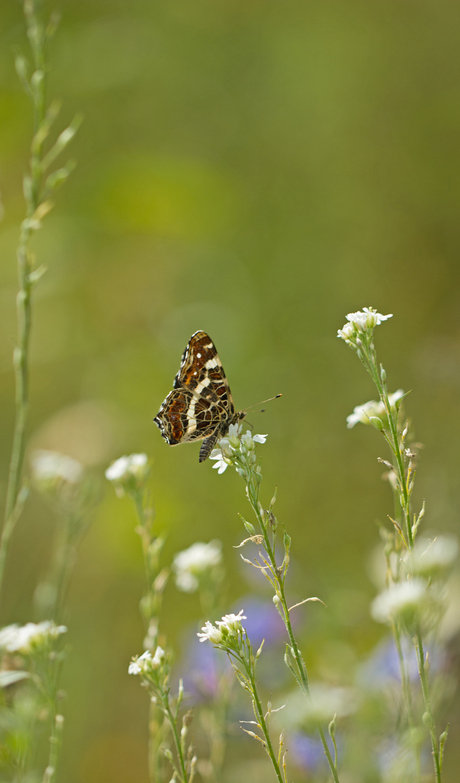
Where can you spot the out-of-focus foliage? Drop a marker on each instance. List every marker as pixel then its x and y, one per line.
pixel 255 169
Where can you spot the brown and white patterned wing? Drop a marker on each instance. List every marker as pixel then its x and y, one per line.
pixel 201 371
pixel 200 404
pixel 185 417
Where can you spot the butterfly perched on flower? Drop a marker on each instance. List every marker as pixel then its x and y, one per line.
pixel 200 406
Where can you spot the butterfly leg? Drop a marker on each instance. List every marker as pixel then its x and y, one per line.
pixel 208 445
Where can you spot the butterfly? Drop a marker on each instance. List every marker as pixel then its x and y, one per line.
pixel 200 406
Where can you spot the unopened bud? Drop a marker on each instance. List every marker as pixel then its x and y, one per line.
pixel 427 719
pixel 331 727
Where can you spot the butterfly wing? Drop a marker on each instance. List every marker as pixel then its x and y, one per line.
pixel 200 404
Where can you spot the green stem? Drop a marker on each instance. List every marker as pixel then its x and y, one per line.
pixel 253 492
pixel 23 301
pixel 55 746
pixel 407 697
pixel 156 732
pixel 404 680
pixel 394 444
pixel 259 713
pixel 176 738
pixel 65 557
pixel 427 701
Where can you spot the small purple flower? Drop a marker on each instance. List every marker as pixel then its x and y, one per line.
pixel 383 665
pixel 202 668
pixel 262 622
pixel 307 751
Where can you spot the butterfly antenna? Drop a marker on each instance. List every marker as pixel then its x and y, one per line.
pixel 262 403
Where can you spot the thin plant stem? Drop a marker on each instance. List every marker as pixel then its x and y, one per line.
pixel 395 441
pixel 427 701
pixel 258 709
pixel 156 732
pixel 404 680
pixel 24 261
pixel 177 742
pixel 253 494
pixel 55 746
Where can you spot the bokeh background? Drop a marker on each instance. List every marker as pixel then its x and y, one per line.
pixel 256 169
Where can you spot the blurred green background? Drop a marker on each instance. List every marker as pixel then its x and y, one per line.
pixel 256 169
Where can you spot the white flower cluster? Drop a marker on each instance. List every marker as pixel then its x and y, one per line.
pixel 229 626
pixel 236 448
pixel 27 638
pixel 363 413
pixel 145 663
pixel 49 466
pixel 326 701
pixel 194 562
pixel 128 473
pixel 432 558
pixel 363 322
pixel 401 601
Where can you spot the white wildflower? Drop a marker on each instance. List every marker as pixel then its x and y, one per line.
pixel 221 463
pixel 195 561
pixel 367 318
pixel 139 663
pixel 430 558
pixel 235 446
pixel 326 701
pixel 232 622
pixel 158 658
pixel 210 633
pixel 128 473
pixel 362 413
pixel 402 600
pixel 126 466
pixel 24 639
pixel 8 635
pixel 235 429
pixel 230 625
pixel 346 333
pixel 145 664
pixel 49 466
pixel 363 321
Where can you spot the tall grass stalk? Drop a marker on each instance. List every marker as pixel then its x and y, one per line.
pixel 37 189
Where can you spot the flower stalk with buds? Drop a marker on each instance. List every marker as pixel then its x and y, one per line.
pixel 412 602
pixel 154 672
pixel 230 636
pixel 239 451
pixel 129 476
pixel 32 653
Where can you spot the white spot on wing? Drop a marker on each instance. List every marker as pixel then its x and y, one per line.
pixel 211 363
pixel 200 386
pixel 191 427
